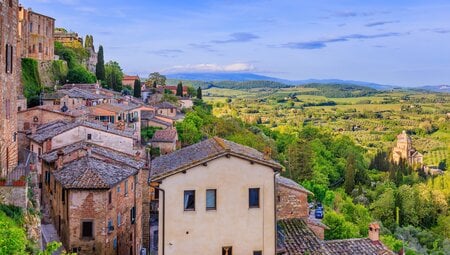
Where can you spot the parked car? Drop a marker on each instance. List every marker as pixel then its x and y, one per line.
pixel 318 213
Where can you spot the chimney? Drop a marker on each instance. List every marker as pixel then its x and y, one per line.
pixel 374 232
pixel 137 156
pixel 60 159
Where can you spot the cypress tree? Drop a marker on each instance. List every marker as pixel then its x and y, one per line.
pixel 179 89
pixel 199 93
pixel 100 67
pixel 137 89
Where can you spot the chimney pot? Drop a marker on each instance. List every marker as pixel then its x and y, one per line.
pixel 374 232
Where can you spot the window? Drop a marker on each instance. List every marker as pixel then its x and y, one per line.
pixel 227 250
pixel 87 229
pixel 8 108
pixel 189 200
pixel 31 27
pixel 10 3
pixel 39 151
pixel 63 196
pixel 110 226
pixel 41 49
pixel 109 197
pixel 133 214
pixel 211 199
pixel 118 188
pixel 257 253
pixel 9 58
pixel 126 187
pixel 89 136
pixel 253 198
pixel 155 238
pixel 119 219
pixel 115 243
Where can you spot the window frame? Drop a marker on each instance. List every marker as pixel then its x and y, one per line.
pixel 208 208
pixel 92 237
pixel 185 201
pixel 250 204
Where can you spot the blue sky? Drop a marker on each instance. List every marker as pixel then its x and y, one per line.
pixel 398 42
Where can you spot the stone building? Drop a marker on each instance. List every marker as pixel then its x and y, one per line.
pixel 215 197
pixel 10 85
pixel 166 140
pixel 36 35
pixel 405 151
pixel 166 109
pixel 94 196
pixel 63 36
pixel 128 80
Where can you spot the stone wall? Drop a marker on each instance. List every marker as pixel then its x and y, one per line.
pixel 12 195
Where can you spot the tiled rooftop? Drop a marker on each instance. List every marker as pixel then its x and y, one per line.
pixel 299 239
pixel 291 184
pixel 80 93
pixel 201 152
pixel 117 108
pixel 54 128
pixel 166 135
pixel 92 173
pixel 165 105
pixel 114 155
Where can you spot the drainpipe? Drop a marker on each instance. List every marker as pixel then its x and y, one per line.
pixel 275 208
pixel 163 218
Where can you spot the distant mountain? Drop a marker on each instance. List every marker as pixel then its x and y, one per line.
pixel 242 77
pixel 439 88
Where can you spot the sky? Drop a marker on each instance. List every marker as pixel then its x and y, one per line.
pixel 392 42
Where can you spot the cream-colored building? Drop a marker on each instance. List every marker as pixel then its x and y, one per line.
pixel 216 197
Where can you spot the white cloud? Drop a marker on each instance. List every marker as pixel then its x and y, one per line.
pixel 235 67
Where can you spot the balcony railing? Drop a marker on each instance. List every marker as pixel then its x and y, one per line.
pixel 18 176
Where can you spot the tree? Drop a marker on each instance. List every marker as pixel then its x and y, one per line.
pixel 12 237
pixel 100 66
pixel 137 88
pixel 113 75
pixel 191 91
pixel 339 227
pixel 179 89
pixel 299 165
pixel 350 172
pixel 79 74
pixel 199 93
pixel 156 78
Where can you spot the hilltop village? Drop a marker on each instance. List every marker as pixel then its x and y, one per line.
pixel 97 161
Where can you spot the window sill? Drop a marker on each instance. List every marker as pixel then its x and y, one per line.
pixel 211 209
pixel 253 207
pixel 189 210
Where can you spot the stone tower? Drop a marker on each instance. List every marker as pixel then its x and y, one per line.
pixel 9 84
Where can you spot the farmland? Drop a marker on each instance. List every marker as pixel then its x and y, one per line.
pixel 373 121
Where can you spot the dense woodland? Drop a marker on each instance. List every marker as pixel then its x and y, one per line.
pixel 332 153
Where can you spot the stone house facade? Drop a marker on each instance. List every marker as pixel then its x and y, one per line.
pixel 10 85
pixel 166 109
pixel 36 35
pixel 95 197
pixel 166 140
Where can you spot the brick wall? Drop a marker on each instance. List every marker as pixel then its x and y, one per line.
pixel 9 84
pixel 291 203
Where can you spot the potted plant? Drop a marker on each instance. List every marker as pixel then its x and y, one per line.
pixel 20 182
pixel 2 181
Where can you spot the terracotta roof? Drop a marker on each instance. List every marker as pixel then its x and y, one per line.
pixel 291 184
pixel 300 239
pixel 53 95
pixel 165 105
pixel 131 77
pixel 81 93
pixel 166 135
pixel 101 151
pixel 117 108
pixel 54 128
pixel 363 246
pixel 204 151
pixel 150 116
pixel 92 173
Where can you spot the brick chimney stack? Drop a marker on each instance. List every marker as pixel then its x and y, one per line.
pixel 374 232
pixel 60 159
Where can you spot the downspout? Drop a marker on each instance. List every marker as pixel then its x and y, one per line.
pixel 163 218
pixel 275 208
pixel 135 210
